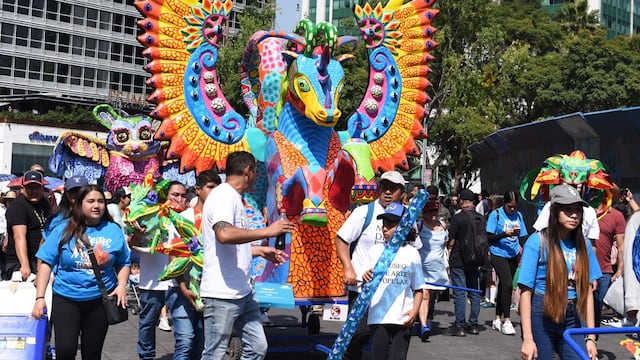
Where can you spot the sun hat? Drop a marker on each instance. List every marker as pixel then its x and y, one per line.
pixel 394 177
pixel 393 212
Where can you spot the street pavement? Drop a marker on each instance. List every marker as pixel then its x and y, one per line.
pixel 489 344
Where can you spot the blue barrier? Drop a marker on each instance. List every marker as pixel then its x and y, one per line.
pixel 583 331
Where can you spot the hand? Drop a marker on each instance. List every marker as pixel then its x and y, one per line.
pixel 367 276
pixel 350 277
pixel 592 351
pixel 280 227
pixel 25 271
pixel 190 295
pixel 120 292
pixel 39 309
pixel 629 195
pixel 616 276
pixel 529 350
pixel 274 255
pixel 408 319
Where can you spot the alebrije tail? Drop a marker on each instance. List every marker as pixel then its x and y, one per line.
pixel 399 39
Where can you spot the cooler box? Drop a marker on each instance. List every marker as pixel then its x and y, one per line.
pixel 22 337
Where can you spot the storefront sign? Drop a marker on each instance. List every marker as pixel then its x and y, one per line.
pixel 37 136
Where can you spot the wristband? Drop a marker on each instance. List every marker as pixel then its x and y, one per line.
pixel 39 297
pixel 587 339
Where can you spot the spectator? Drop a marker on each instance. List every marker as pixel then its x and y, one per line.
pixel 118 206
pixel 5 200
pixel 623 201
pixel 444 214
pixel 505 226
pixel 415 190
pixel 188 322
pixel 453 204
pixel 48 195
pixel 71 187
pixel 484 205
pixel 152 291
pixel 434 236
pixel 225 289
pixel 464 275
pixel 77 300
pixel 631 284
pixel 396 301
pixel 361 231
pixel 25 221
pixel 555 277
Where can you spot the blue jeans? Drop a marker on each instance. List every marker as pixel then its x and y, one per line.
pixel 548 335
pixel 188 325
pixel 222 316
pixel 598 296
pixel 151 302
pixel 469 279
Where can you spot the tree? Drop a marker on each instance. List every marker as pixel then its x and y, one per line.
pixel 575 16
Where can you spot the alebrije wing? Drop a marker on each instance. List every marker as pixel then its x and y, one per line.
pixel 76 153
pixel 398 38
pixel 182 39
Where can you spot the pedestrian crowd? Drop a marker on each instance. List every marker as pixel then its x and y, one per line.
pixel 556 272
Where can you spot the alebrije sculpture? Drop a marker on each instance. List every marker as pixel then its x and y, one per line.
pixel 292 85
pixel 122 159
pixel 589 175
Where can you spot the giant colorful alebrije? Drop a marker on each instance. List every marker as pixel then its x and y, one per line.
pixel 129 151
pixel 292 85
pixel 589 175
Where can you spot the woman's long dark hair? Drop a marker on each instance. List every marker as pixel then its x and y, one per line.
pixel 557 277
pixel 77 224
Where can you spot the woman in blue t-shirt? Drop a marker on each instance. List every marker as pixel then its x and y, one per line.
pixel 77 308
pixel 504 229
pixel 556 272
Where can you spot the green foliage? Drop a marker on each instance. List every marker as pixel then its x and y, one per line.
pixel 61 116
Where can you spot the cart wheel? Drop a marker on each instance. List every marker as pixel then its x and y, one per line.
pixel 234 350
pixel 135 310
pixel 313 325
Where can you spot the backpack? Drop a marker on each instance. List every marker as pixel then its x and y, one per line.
pixel 367 221
pixel 474 250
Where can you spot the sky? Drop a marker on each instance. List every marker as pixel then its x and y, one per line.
pixel 286 15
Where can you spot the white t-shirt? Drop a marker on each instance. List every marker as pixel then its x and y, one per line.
pixel 226 271
pixel 590 227
pixel 151 266
pixel 631 284
pixel 394 296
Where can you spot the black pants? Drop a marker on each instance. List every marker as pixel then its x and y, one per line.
pixel 78 318
pixel 505 269
pixel 361 336
pixel 389 342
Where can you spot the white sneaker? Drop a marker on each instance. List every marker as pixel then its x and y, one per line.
pixel 164 324
pixel 496 325
pixel 264 319
pixel 507 328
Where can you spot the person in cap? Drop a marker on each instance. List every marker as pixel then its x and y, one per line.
pixel 359 233
pixel 396 302
pixel 556 273
pixel 465 274
pixel 71 187
pixel 26 218
pixel 434 236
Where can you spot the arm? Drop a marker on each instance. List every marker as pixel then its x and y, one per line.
pixel 274 255
pixel 229 234
pixel 342 249
pixel 184 289
pixel 42 279
pixel 121 290
pixel 632 202
pixel 417 300
pixel 591 338
pixel 620 243
pixel 20 242
pixel 528 350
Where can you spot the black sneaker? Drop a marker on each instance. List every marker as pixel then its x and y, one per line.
pixel 454 331
pixel 473 329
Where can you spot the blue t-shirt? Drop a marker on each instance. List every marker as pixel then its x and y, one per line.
pixel 533 272
pixel 57 220
pixel 498 223
pixel 74 277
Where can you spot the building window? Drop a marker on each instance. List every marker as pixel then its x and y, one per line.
pixel 20 67
pixel 130 25
pixel 116 50
pixel 49 71
pixel 114 81
pixel 52 9
pixel 9 5
pixel 92 17
pixel 76 75
pixel 63 42
pixel 116 26
pixel 5 65
pixel 37 7
pixel 138 84
pixel 77 45
pixel 6 33
pixel 103 79
pixel 62 73
pixel 23 7
pixel 65 12
pixel 90 47
pixel 89 77
pixel 140 59
pixel 50 40
pixel 103 49
pixel 79 13
pixel 128 54
pixel 105 19
pixel 126 82
pixel 35 69
pixel 22 35
pixel 36 39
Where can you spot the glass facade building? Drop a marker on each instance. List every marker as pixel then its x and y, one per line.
pixel 341 17
pixel 76 51
pixel 615 15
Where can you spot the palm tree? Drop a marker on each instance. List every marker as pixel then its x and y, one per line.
pixel 575 16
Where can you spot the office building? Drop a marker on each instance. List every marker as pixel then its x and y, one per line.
pixel 619 17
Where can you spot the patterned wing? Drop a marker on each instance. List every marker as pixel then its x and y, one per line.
pixel 182 39
pixel 76 153
pixel 399 38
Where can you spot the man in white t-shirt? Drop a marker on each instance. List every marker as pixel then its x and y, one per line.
pixel 353 231
pixel 226 275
